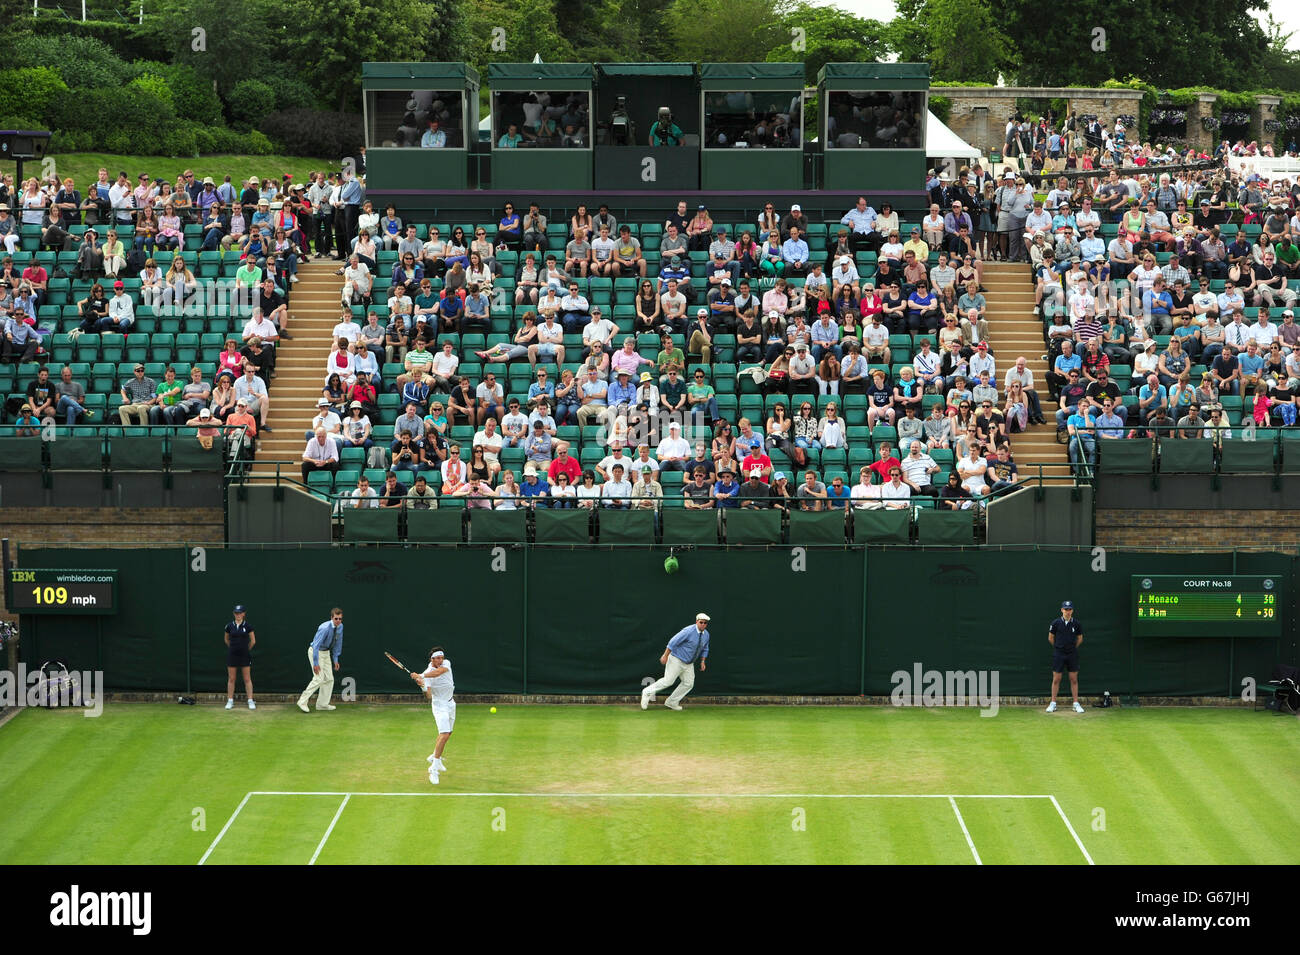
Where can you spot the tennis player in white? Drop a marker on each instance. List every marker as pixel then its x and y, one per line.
pixel 439 687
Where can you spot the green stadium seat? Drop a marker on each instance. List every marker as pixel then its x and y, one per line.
pixel 561 526
pixel 1250 457
pixel 690 526
pixel 22 454
pixel 489 527
pixel 362 524
pixel 1190 456
pixel 76 454
pixel 881 526
pixel 949 528
pixel 814 527
pixel 752 526
pixel 188 455
pixel 444 525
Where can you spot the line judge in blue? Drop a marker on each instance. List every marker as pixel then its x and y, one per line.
pixel 690 644
pixel 1066 636
pixel 325 656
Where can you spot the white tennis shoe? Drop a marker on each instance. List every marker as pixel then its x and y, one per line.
pixel 303 706
pixel 1078 707
pixel 433 775
pixel 646 700
pixel 252 705
pixel 1051 707
pixel 230 704
pixel 327 706
pixel 431 758
pixel 672 706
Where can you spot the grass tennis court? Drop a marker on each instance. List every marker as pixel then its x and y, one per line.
pixel 158 783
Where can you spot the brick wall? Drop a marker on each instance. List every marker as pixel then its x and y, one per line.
pixel 1001 103
pixel 139 526
pixel 1209 530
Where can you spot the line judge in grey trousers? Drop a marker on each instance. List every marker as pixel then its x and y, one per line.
pixel 690 644
pixel 325 655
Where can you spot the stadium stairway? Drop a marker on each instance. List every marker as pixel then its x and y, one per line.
pixel 300 368
pixel 1015 330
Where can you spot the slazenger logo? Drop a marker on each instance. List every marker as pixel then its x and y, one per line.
pixel 369 572
pixel 94 909
pixel 955 575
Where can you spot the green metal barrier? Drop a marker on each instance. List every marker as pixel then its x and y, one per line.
pixel 566 620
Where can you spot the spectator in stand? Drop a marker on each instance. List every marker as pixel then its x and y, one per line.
pixel 71 398
pixel 320 454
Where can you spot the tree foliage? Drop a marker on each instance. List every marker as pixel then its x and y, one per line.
pixel 1215 43
pixel 829 35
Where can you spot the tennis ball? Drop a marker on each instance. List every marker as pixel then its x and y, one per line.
pixel 492 710
pixel 670 565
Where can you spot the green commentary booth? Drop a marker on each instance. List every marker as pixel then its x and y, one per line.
pixel 421 119
pixel 873 118
pixel 628 101
pixel 541 125
pixel 752 118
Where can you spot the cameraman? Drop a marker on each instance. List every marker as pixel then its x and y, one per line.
pixel 665 132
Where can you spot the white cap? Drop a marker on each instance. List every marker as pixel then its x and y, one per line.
pixel 756 472
pixel 702 616
pixel 796 208
pixel 703 311
pixel 844 260
pixel 205 413
pixel 774 314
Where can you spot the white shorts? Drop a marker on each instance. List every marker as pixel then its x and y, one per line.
pixel 444 715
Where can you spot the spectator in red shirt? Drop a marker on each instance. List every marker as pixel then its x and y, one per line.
pixel 36 276
pixel 884 461
pixel 1094 359
pixel 564 464
pixel 757 458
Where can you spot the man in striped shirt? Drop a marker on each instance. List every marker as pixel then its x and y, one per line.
pixel 688 645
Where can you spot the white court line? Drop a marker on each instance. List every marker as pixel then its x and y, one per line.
pixel 225 828
pixel 951 797
pixel 323 839
pixel 593 795
pixel 1077 841
pixel 964 831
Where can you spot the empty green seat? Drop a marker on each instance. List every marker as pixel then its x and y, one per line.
pixel 496 526
pixel 188 455
pixel 77 454
pixel 135 454
pixel 690 526
pixel 21 454
pixel 561 526
pixel 815 527
pixel 370 523
pixel 441 526
pixel 882 526
pixel 945 527
pixel 1187 456
pixel 752 525
pixel 1250 457
pixel 1126 455
pixel 625 527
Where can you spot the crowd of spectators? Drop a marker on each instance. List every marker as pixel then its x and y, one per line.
pixel 852 319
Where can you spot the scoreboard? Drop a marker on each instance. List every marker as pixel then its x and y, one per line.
pixel 1188 606
pixel 62 591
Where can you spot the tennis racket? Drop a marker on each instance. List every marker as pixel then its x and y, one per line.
pixel 396 662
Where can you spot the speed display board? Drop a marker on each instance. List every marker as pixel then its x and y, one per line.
pixel 62 591
pixel 1187 606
